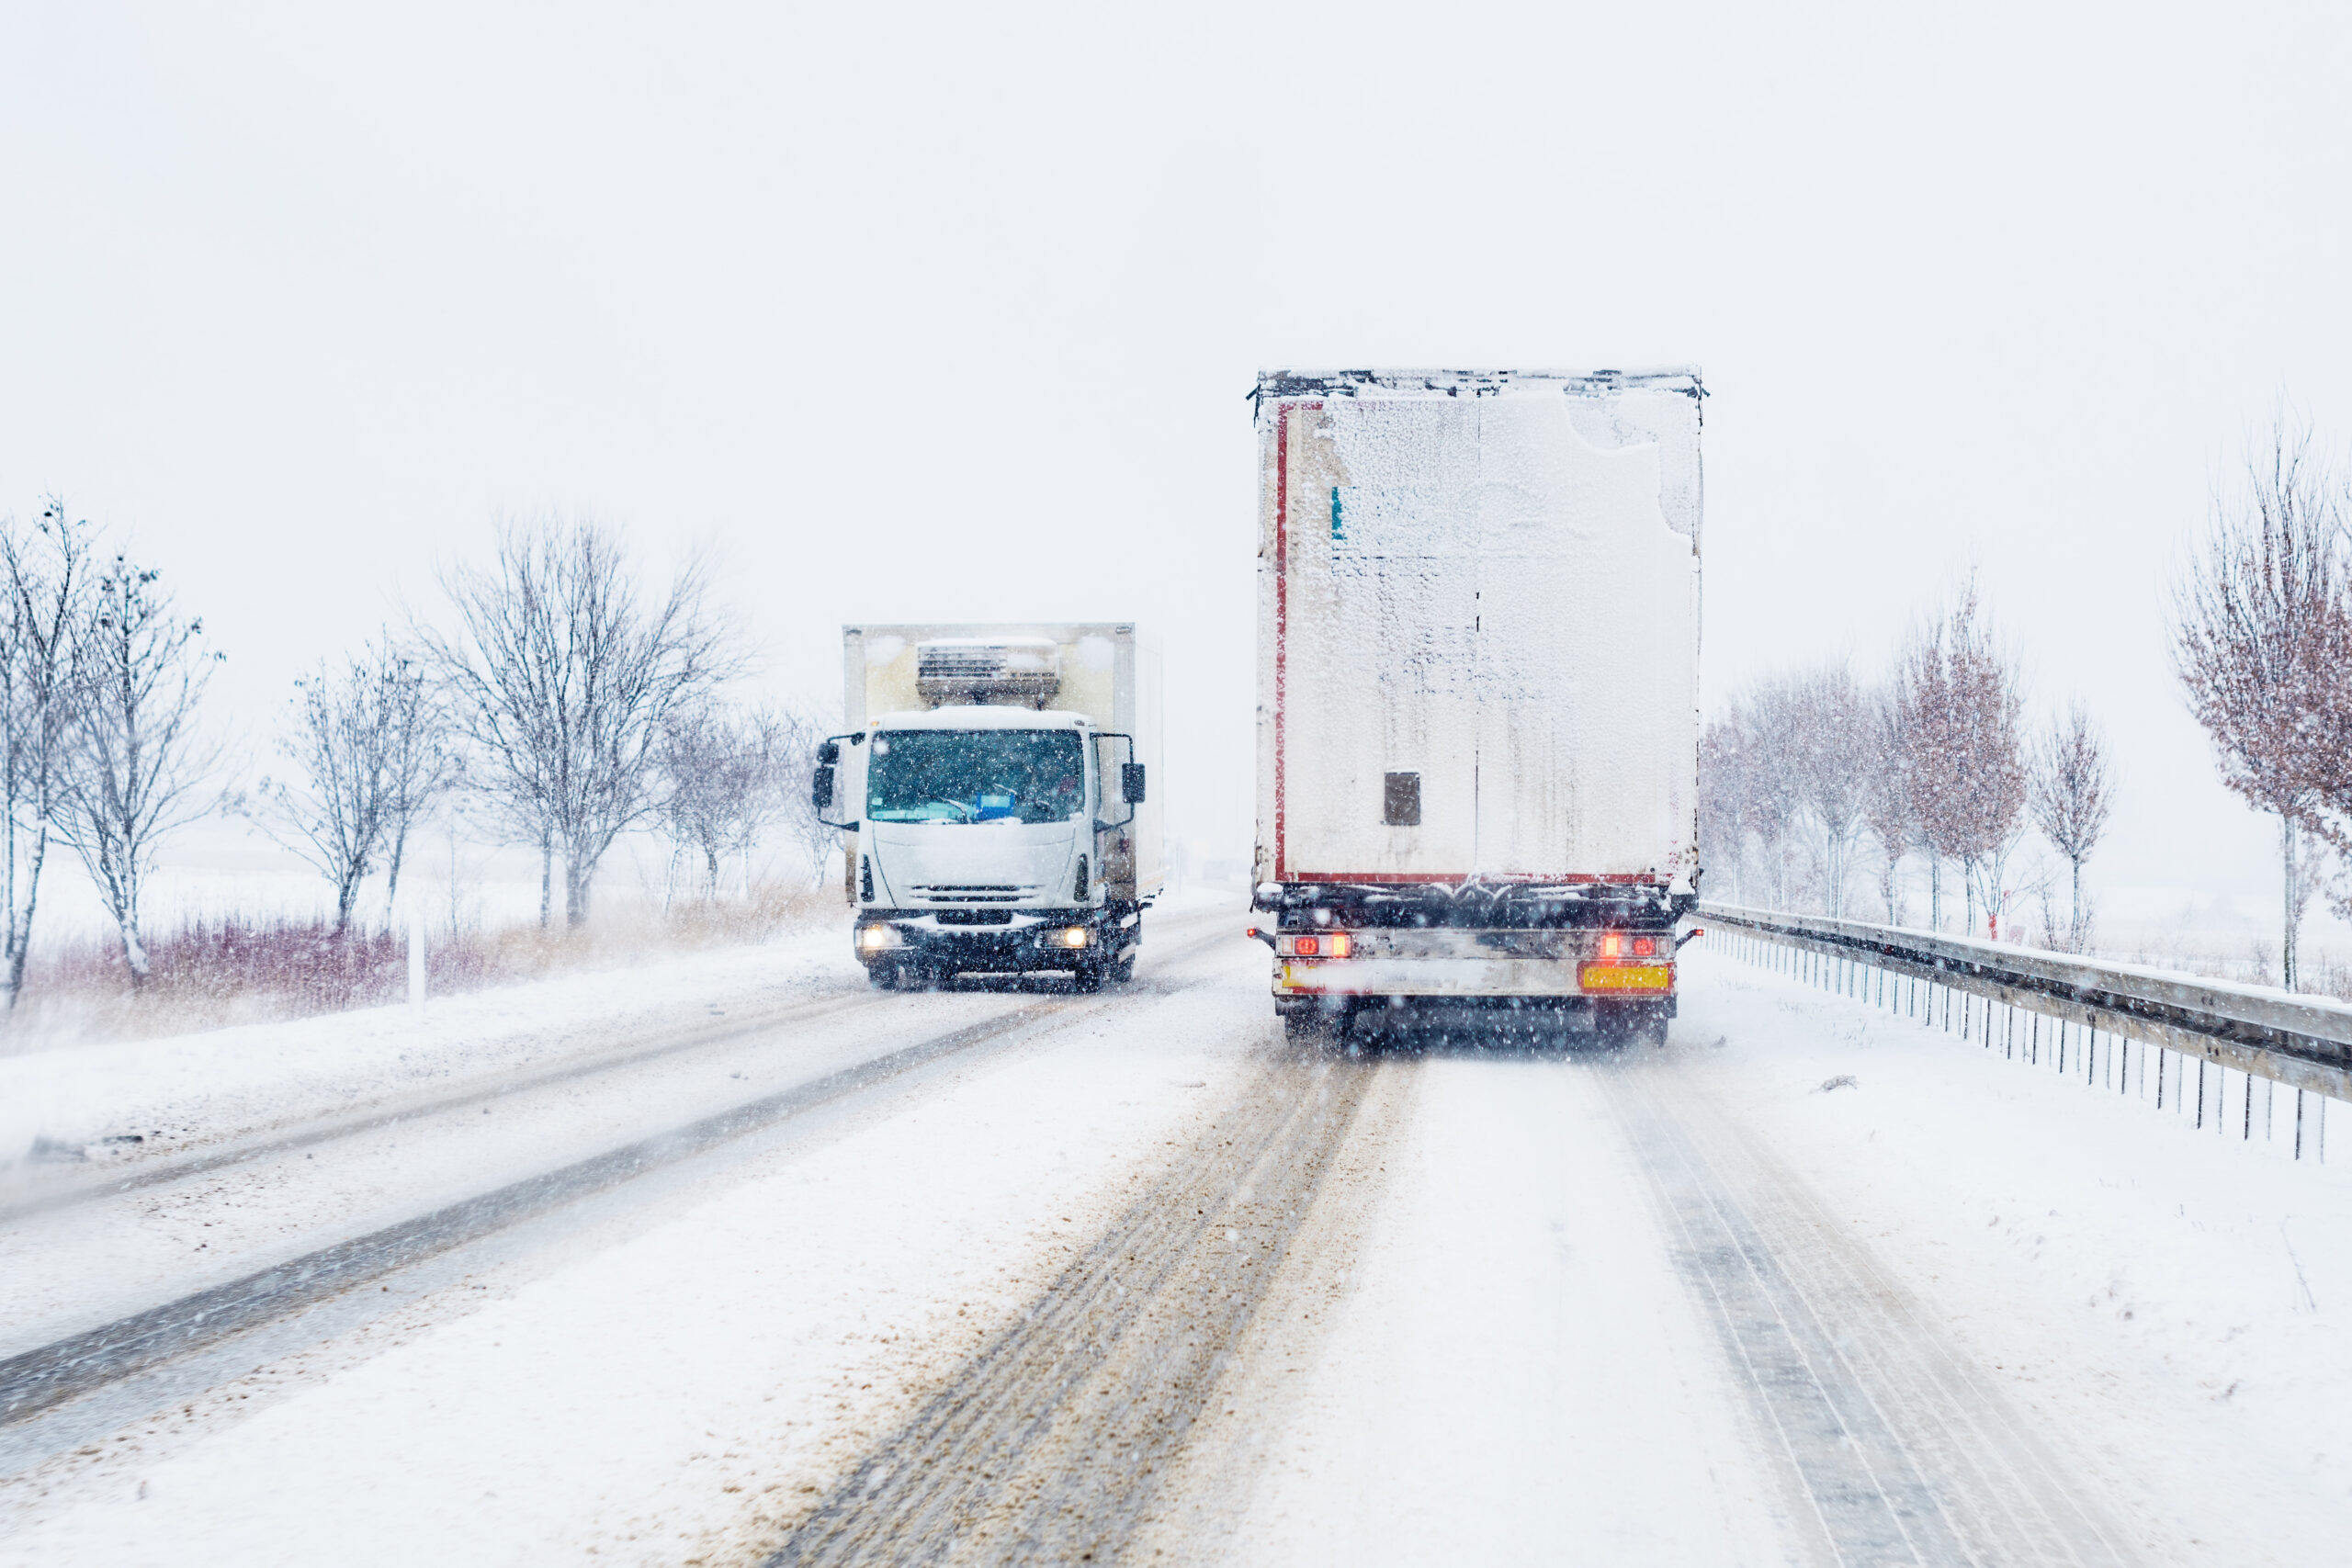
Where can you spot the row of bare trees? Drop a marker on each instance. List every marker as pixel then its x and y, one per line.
pixel 553 696
pixel 565 699
pixel 1804 772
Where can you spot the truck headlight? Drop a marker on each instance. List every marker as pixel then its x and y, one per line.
pixel 1073 936
pixel 876 937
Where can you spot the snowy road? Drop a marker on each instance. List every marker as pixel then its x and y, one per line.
pixel 1003 1275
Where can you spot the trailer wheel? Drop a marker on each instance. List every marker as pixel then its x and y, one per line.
pixel 1313 1026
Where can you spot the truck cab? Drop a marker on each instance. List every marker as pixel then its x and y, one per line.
pixel 990 836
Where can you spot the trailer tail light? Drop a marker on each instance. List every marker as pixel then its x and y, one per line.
pixel 1622 945
pixel 1658 977
pixel 1326 945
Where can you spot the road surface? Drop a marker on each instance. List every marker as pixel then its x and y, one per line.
pixel 820 1275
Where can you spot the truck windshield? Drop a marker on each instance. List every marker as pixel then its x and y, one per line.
pixel 975 775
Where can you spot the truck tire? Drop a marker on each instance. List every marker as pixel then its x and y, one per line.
pixel 882 976
pixel 1124 969
pixel 1313 1026
pixel 1087 978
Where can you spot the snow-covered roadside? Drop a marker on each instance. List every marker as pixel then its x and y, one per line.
pixel 2176 1301
pixel 671 1397
pixel 188 1090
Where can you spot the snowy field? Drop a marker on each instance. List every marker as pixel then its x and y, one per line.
pixel 1014 1274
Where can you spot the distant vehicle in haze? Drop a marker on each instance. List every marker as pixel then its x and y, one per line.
pixel 993 780
pixel 1477 690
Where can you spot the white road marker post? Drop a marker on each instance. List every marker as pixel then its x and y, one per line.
pixel 416 960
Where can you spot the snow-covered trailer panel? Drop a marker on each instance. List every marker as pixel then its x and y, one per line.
pixel 1478 627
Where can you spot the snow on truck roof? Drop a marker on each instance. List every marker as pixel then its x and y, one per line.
pixel 1475 383
pixel 992 717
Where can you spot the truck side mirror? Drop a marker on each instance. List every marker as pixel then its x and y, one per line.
pixel 829 753
pixel 821 786
pixel 1131 783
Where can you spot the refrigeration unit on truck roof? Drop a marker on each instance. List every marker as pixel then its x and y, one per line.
pixel 1479 632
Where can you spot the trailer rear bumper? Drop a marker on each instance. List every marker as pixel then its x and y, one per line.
pixel 1470 978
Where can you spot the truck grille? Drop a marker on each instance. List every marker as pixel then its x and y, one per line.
pixel 975 894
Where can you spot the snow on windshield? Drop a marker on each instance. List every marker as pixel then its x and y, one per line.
pixel 990 775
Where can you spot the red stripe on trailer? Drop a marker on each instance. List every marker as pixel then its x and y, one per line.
pixel 1281 632
pixel 1611 878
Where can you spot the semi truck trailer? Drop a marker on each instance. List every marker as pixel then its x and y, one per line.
pixel 1477 692
pixel 993 782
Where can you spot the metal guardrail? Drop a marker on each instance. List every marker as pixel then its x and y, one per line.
pixel 2303 1043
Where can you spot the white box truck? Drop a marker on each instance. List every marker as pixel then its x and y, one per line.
pixel 1477 690
pixel 992 783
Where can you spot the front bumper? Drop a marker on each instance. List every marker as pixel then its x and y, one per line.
pixel 1029 940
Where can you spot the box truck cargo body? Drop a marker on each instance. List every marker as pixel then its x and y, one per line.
pixel 1478 679
pixel 994 782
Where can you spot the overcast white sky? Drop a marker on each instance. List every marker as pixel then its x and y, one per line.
pixel 949 312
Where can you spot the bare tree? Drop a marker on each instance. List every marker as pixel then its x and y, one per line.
pixel 1922 702
pixel 420 765
pixel 364 762
pixel 135 766
pixel 2257 640
pixel 564 676
pixel 45 577
pixel 2072 791
pixel 1723 784
pixel 1960 700
pixel 1987 754
pixel 1835 741
pixel 711 770
pixel 1887 810
pixel 1772 720
pixel 330 811
pixel 793 750
pixel 731 779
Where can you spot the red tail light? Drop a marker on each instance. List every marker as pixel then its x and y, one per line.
pixel 1329 944
pixel 1646 947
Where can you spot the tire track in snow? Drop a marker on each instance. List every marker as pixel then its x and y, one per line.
pixel 42 1378
pixel 1902 1452
pixel 38 1379
pixel 177 1167
pixel 1052 1442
